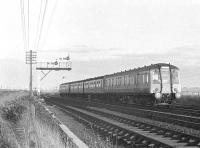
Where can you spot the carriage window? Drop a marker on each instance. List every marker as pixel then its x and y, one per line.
pixel 117 81
pixel 143 78
pixel 131 79
pixel 126 80
pixel 136 77
pixel 175 76
pixel 156 76
pixel 146 78
pixel 120 80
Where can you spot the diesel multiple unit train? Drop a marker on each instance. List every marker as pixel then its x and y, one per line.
pixel 156 84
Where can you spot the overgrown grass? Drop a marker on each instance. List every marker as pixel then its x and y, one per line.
pixel 85 133
pixel 51 125
pixel 11 111
pixel 49 138
pixel 14 113
pixel 7 137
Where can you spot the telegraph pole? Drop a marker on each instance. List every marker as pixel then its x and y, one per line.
pixel 31 75
pixel 31 59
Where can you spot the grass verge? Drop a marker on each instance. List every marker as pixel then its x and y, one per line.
pixel 85 133
pixel 15 125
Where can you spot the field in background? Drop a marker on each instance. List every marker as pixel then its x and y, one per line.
pixel 189 98
pixel 8 96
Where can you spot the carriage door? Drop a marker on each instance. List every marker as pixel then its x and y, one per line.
pixel 165 74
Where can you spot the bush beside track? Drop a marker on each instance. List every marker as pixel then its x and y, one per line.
pixel 12 109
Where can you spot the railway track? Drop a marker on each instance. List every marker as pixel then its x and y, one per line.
pixel 192 122
pixel 176 109
pixel 193 111
pixel 125 130
pixel 177 119
pixel 189 110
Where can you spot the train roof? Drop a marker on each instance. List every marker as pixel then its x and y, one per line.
pixel 89 79
pixel 144 68
pixel 162 64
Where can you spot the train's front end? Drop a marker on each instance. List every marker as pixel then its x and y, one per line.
pixel 165 83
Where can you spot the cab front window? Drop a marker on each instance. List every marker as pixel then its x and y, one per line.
pixel 155 76
pixel 175 76
pixel 165 75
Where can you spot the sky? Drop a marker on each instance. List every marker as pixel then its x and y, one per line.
pixel 101 37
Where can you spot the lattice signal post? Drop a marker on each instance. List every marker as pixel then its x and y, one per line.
pixel 57 65
pixel 31 59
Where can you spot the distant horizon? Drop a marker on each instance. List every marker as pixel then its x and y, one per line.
pixel 56 78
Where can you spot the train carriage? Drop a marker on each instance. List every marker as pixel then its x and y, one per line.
pixel 64 89
pixel 153 84
pixel 93 85
pixel 129 86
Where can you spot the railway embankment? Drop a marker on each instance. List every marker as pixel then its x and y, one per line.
pixel 11 110
pixel 25 123
pixel 47 117
pixel 76 125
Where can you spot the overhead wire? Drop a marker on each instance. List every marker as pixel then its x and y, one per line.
pixel 23 23
pixel 50 20
pixel 38 23
pixel 41 25
pixel 28 24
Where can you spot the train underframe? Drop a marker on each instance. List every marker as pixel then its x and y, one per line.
pixel 124 98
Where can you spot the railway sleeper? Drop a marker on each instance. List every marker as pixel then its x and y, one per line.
pixel 137 140
pixel 167 133
pixel 173 135
pixel 120 138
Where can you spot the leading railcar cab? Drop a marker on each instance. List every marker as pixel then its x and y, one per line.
pixel 165 83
